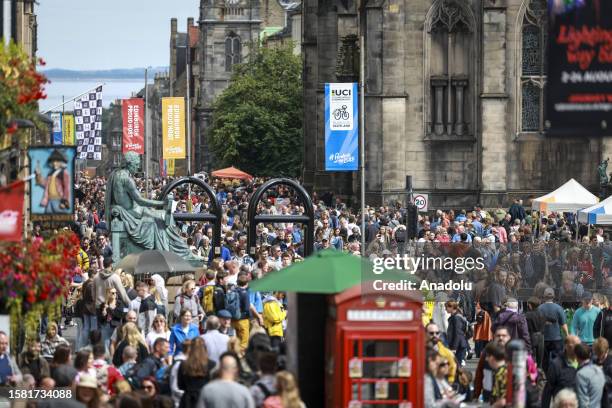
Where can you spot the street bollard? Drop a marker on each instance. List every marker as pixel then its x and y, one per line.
pixel 515 391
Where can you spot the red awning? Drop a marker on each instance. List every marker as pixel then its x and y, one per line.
pixel 232 173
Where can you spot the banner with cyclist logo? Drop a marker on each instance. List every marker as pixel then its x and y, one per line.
pixel 341 127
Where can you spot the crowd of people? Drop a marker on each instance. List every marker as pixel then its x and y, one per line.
pixel 217 343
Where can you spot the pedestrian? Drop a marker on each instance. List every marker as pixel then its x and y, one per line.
pixel 496 358
pixel 131 336
pixel 584 318
pixel 239 306
pixel 455 335
pixel 535 325
pixel 265 386
pixel 105 279
pixel 566 398
pixel 187 300
pixel 194 373
pixel 145 307
pixel 88 393
pixel 288 393
pixel 130 317
pixel 159 329
pixel 482 330
pixel 10 375
pixel 83 362
pixel 483 379
pixel 590 379
pixel 177 360
pixel 433 334
pixel 181 331
pixel 216 342
pixel 555 322
pixel 225 320
pixel 110 314
pixel 62 370
pixel 514 321
pixel 30 361
pixel 226 391
pixel 51 341
pixel 603 324
pixel 273 317
pixel 157 288
pixel 154 361
pixel 561 372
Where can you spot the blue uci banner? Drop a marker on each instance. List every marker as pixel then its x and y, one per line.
pixel 57 138
pixel 341 127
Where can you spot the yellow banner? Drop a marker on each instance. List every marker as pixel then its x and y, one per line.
pixel 68 131
pixel 173 128
pixel 170 167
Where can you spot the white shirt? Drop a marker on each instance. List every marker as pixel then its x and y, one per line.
pixel 216 344
pixel 153 335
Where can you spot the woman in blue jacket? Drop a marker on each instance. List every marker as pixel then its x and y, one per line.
pixel 184 330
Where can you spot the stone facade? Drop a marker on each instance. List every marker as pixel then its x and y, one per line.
pixel 446 101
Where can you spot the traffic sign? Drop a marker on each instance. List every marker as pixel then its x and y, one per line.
pixel 421 201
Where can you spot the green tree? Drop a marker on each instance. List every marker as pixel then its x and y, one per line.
pixel 257 120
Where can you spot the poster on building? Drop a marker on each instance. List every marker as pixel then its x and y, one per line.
pixel 56 118
pixel 52 184
pixel 133 125
pixel 173 128
pixel 579 76
pixel 341 127
pixel 11 211
pixel 170 167
pixel 88 123
pixel 68 131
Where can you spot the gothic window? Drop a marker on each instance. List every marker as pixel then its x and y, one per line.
pixel 232 51
pixel 450 31
pixel 533 66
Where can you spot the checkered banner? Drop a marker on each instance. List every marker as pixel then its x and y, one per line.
pixel 88 124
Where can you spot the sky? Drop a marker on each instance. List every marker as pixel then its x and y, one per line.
pixel 106 34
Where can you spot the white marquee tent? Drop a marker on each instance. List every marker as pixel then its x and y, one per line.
pixel 598 214
pixel 570 197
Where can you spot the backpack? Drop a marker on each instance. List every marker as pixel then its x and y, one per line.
pixel 468 330
pixel 162 376
pixel 131 376
pixel 208 303
pixel 233 303
pixel 400 235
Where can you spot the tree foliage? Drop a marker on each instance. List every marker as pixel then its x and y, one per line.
pixel 257 120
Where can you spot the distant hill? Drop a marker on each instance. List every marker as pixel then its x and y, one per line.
pixel 118 73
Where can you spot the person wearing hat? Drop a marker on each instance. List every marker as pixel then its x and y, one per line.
pixel 56 197
pixel 555 322
pixel 87 391
pixel 225 319
pixel 584 319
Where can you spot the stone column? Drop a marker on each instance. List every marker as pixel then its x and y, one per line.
pixel 459 84
pixel 438 84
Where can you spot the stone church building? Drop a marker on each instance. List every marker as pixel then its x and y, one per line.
pixel 454 97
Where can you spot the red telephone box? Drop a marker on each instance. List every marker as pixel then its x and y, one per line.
pixel 374 350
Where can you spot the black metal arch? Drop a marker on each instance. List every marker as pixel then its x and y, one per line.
pixel 213 216
pixel 307 218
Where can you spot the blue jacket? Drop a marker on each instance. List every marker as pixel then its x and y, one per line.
pixel 178 336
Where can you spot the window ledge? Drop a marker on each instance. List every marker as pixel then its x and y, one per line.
pixel 527 136
pixel 449 138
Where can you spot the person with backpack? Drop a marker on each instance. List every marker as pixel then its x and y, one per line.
pixel 514 321
pixel 456 335
pixel 273 317
pixel 151 366
pixel 237 300
pixel 187 299
pixel 265 386
pixel 207 293
pixel 219 298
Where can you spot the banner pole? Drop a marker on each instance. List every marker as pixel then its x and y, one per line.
pixel 362 138
pixel 72 99
pixel 188 114
pixel 146 138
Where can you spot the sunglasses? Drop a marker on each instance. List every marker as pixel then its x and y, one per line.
pixel 432 333
pixel 440 365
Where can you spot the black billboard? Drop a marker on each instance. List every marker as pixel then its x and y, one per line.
pixel 579 77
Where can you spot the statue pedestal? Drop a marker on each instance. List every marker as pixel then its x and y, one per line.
pixel 122 245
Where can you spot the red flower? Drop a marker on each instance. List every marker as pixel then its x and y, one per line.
pixel 12 128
